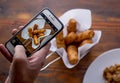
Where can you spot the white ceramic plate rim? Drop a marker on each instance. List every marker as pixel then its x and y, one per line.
pixel 94 73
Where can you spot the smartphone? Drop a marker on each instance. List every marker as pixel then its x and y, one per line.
pixel 37 33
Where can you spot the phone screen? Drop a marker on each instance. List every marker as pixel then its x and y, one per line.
pixel 35 34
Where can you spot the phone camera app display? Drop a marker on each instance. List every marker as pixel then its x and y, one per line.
pixel 35 34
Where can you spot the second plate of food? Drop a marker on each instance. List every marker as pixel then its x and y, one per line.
pixel 94 73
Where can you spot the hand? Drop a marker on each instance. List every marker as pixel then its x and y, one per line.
pixel 23 69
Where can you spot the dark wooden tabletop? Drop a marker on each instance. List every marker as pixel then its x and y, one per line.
pixel 105 17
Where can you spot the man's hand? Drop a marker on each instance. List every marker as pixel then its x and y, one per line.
pixel 24 69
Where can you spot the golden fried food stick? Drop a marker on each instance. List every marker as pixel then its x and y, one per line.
pixel 72 54
pixel 30 32
pixel 72 25
pixel 35 32
pixel 60 40
pixel 35 27
pixel 88 34
pixel 40 34
pixel 70 37
pixel 87 41
pixel 35 40
pixel 41 30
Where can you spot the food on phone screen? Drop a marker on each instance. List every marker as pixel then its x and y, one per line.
pixel 72 54
pixel 35 27
pixel 41 31
pixel 35 40
pixel 112 74
pixel 35 33
pixel 30 32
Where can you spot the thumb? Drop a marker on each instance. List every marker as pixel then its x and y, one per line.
pixel 19 64
pixel 19 54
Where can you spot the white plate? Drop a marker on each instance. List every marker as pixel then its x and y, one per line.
pixel 94 73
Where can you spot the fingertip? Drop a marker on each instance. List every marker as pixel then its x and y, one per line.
pixel 14 31
pixel 19 49
pixel 19 52
pixel 20 58
pixel 5 52
pixel 20 27
pixel 1 45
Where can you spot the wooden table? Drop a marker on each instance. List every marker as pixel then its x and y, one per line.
pixel 105 17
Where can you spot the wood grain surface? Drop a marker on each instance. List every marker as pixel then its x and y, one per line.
pixel 105 17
